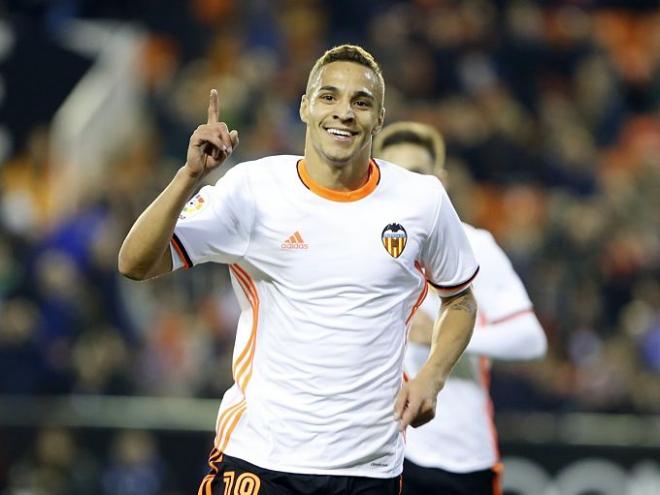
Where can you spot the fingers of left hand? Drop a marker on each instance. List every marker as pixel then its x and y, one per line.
pixel 401 400
pixel 425 414
pixel 409 413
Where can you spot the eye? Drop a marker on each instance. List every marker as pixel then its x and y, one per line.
pixel 326 97
pixel 363 103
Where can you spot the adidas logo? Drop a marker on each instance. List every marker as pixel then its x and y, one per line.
pixel 294 242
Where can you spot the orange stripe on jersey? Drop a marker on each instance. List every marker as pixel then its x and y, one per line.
pixel 421 297
pixel 485 383
pixel 253 303
pixel 245 358
pixel 511 316
pixel 498 469
pixel 224 418
pixel 227 424
pixel 298 237
pixel 227 417
pixel 243 365
pixel 226 435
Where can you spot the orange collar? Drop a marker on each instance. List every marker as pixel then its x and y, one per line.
pixel 373 178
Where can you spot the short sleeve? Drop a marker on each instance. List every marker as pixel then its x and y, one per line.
pixel 216 224
pixel 499 290
pixel 449 264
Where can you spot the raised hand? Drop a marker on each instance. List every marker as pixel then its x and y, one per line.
pixel 211 143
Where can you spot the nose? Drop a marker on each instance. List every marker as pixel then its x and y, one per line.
pixel 344 111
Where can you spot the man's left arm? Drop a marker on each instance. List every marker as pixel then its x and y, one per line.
pixel 416 402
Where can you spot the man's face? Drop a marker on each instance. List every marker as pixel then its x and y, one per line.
pixel 414 157
pixel 342 110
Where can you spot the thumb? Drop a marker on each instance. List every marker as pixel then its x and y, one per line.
pixel 233 136
pixel 410 413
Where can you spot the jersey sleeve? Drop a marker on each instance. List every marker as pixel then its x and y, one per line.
pixel 498 289
pixel 216 224
pixel 448 260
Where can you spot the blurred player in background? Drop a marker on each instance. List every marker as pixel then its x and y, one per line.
pixel 330 254
pixel 457 453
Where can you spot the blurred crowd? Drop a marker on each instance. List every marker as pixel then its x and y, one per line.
pixel 551 115
pixel 128 462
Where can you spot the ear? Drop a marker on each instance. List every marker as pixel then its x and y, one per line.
pixel 303 111
pixel 381 121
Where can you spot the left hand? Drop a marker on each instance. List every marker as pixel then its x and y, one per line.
pixel 415 404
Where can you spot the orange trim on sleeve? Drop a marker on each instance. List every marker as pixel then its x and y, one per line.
pixel 367 188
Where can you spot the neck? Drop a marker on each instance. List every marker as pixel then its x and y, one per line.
pixel 344 176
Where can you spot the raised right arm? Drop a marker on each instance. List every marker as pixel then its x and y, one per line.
pixel 145 251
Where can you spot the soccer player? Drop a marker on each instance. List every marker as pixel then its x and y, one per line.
pixel 330 254
pixel 456 453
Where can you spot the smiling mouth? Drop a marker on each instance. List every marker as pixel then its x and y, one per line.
pixel 341 134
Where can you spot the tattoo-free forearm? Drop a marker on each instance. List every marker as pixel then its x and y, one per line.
pixel 144 252
pixel 451 334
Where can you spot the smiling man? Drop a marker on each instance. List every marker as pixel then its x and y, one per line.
pixel 330 254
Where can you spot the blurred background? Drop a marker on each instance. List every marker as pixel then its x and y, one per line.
pixel 551 113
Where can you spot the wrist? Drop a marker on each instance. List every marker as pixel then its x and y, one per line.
pixel 188 175
pixel 434 375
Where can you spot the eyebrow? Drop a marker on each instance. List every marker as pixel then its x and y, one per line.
pixel 361 93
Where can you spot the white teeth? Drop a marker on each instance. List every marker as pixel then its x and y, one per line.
pixel 339 132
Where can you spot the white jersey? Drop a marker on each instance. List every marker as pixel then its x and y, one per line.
pixel 328 283
pixel 462 438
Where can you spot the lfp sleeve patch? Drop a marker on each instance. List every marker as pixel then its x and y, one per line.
pixel 196 204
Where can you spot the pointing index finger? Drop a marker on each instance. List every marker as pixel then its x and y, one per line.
pixel 214 108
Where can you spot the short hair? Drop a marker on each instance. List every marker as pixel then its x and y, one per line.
pixel 348 53
pixel 417 133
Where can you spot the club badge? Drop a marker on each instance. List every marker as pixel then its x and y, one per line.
pixel 394 239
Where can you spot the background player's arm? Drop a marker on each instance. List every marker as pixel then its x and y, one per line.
pixel 415 404
pixel 145 251
pixel 519 336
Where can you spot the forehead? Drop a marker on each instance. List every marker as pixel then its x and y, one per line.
pixel 347 76
pixel 409 155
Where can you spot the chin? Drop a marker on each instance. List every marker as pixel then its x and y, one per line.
pixel 338 161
